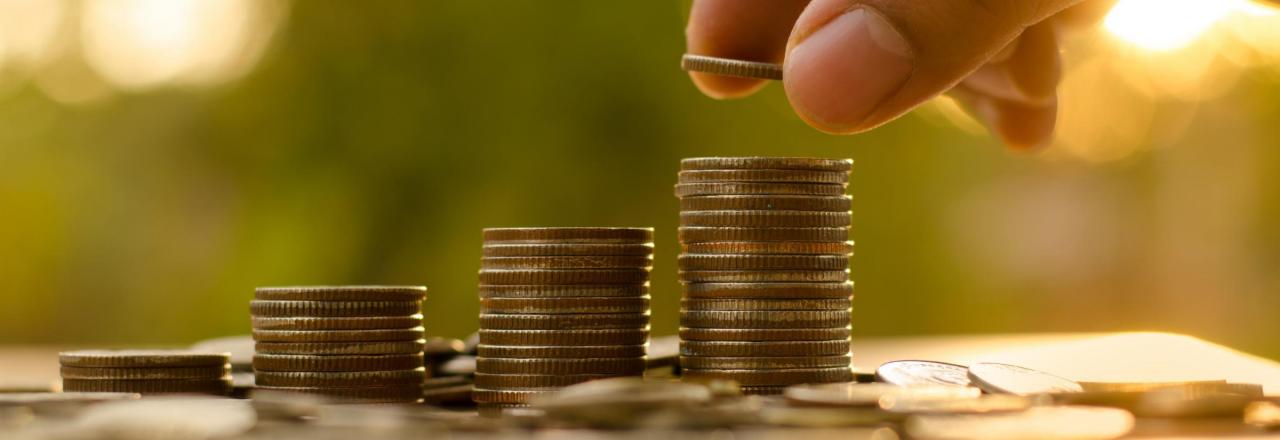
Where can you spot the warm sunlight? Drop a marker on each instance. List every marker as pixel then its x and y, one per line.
pixel 1166 25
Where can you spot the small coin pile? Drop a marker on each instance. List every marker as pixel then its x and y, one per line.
pixel 146 371
pixel 765 270
pixel 560 306
pixel 358 344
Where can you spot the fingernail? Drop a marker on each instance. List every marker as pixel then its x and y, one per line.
pixel 837 75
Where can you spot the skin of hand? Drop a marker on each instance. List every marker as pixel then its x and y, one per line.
pixel 852 65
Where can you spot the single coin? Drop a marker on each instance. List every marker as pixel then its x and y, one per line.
pixel 341 348
pixel 142 358
pixel 387 394
pixel 692 262
pixel 527 381
pixel 871 394
pixel 333 308
pixel 405 334
pixel 763 189
pixel 563 291
pixel 157 386
pixel 765 163
pixel 766 219
pixel 772 377
pixel 568 235
pixel 769 319
pixel 564 337
pixel 339 379
pixel 570 249
pixel 763 276
pixel 213 372
pixel 294 362
pixel 770 248
pixel 763 362
pixel 730 67
pixel 534 352
pixel 563 276
pixel 696 234
pixel 913 373
pixel 1012 379
pixel 569 262
pixel 764 334
pixel 780 176
pixel 765 348
pixel 751 304
pixel 620 366
pixel 767 203
pixel 335 323
pixel 575 321
pixel 769 290
pixel 1044 422
pixel 341 293
pixel 505 396
pixel 455 394
pixel 626 305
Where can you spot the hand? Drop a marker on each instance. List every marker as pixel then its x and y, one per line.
pixel 853 65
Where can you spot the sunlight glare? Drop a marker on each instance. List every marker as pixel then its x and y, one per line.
pixel 1166 25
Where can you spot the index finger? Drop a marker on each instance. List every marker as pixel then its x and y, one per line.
pixel 752 30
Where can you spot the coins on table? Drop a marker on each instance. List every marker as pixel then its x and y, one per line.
pixel 920 373
pixel 1013 379
pixel 765 270
pixel 348 344
pixel 560 306
pixel 146 371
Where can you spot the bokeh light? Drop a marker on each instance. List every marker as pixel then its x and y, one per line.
pixel 1163 25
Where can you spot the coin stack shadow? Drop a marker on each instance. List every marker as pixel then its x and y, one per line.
pixel 560 306
pixel 764 266
pixel 146 371
pixel 353 344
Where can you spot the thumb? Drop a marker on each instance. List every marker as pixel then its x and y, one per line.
pixel 853 65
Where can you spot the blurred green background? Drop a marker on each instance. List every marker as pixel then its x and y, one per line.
pixel 158 164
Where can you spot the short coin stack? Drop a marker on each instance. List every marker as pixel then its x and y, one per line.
pixel 359 344
pixel 559 306
pixel 765 270
pixel 146 371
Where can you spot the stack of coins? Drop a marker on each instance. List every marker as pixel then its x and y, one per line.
pixel 765 271
pixel 560 306
pixel 358 344
pixel 146 371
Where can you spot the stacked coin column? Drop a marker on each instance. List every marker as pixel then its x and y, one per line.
pixel 146 371
pixel 764 268
pixel 355 344
pixel 560 306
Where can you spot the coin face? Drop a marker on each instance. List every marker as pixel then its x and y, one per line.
pixel 766 219
pixel 142 358
pixel 918 373
pixel 569 235
pixel 693 262
pixel 760 162
pixel 569 262
pixel 730 67
pixel 316 363
pixel 765 319
pixel 585 305
pixel 753 188
pixel 752 377
pixel 341 293
pixel 698 234
pixel 769 290
pixel 840 203
pixel 1013 379
pixel 333 308
pixel 568 249
pixel 778 176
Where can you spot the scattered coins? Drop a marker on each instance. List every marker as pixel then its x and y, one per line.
pixel 1013 379
pixel 346 344
pixel 559 306
pixel 146 371
pixel 915 373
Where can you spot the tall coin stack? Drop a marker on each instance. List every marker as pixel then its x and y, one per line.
pixel 765 271
pixel 357 344
pixel 146 371
pixel 559 306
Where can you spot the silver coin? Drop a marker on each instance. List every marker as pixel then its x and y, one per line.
pixel 913 373
pixel 1012 379
pixel 730 67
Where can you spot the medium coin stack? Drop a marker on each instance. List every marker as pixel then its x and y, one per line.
pixel 765 271
pixel 358 344
pixel 146 371
pixel 560 306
